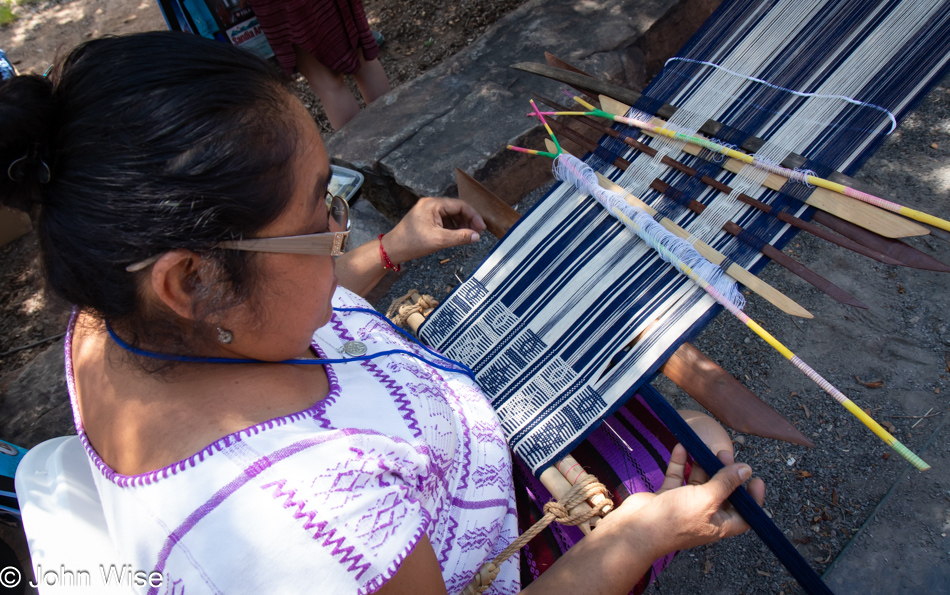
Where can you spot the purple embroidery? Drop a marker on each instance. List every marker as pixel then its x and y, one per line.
pixel 489 431
pixel 448 450
pixel 476 505
pixel 479 537
pixel 451 528
pixel 240 481
pixel 336 543
pixel 175 585
pixel 404 404
pixel 487 475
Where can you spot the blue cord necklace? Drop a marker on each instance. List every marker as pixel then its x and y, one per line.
pixel 457 366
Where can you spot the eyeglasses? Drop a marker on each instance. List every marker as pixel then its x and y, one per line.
pixel 332 243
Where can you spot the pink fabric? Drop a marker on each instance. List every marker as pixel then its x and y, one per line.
pixel 333 31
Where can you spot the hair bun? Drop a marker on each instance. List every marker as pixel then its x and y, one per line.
pixel 26 112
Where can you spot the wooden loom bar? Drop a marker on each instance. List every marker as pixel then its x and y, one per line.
pixel 774 296
pixel 840 232
pixel 773 253
pixel 780 257
pixel 700 377
pixel 710 128
pixel 867 216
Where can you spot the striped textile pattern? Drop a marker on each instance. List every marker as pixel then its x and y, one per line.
pixel 546 319
pixel 628 453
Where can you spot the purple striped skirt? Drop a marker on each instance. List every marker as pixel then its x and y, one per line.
pixel 628 453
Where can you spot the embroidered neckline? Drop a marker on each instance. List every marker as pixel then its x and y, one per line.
pixel 218 445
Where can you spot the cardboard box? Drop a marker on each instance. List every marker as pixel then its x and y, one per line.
pixel 13 224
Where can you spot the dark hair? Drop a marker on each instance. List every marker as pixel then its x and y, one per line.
pixel 153 141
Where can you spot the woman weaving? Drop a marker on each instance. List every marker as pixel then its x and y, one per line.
pixel 240 445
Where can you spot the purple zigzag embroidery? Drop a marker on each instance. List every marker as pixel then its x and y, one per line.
pixel 476 539
pixel 290 503
pixel 404 406
pixel 337 543
pixel 450 529
pixel 319 413
pixel 346 551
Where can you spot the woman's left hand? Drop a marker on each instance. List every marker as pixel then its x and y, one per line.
pixel 681 516
pixel 432 225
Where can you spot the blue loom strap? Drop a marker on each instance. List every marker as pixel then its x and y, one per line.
pixel 763 526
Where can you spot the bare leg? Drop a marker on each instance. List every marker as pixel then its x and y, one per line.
pixel 371 79
pixel 708 430
pixel 338 102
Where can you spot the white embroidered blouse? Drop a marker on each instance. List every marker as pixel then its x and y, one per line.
pixel 330 499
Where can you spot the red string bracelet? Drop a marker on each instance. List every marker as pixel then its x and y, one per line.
pixel 387 264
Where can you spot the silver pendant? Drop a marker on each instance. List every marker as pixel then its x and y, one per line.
pixel 353 348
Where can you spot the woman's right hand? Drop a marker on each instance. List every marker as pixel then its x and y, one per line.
pixel 645 527
pixel 679 516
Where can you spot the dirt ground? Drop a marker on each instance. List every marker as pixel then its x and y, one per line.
pixel 419 35
pixel 891 359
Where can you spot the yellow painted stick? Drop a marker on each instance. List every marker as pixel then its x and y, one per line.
pixel 772 295
pixel 787 353
pixel 849 208
pixel 831 390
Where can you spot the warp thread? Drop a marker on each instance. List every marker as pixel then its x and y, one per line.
pixel 669 247
pixel 887 112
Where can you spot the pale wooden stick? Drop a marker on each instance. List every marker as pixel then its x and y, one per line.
pixel 573 473
pixel 558 485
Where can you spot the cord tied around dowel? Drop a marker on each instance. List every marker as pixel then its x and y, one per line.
pixel 583 491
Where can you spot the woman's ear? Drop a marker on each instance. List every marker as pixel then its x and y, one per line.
pixel 175 279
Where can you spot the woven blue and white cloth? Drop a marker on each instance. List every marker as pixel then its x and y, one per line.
pixel 571 313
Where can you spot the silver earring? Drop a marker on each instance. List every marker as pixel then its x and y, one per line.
pixel 225 336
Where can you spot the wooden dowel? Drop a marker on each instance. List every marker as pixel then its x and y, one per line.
pixel 573 473
pixel 867 216
pixel 558 486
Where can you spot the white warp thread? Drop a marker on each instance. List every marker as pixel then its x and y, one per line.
pixel 572 170
pixel 887 112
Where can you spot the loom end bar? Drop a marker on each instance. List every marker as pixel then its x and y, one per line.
pixel 498 216
pixel 612 106
pixel 884 223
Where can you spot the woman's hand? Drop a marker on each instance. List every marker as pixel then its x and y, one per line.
pixel 431 225
pixel 681 516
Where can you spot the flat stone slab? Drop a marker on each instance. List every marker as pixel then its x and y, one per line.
pixel 464 112
pixel 904 546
